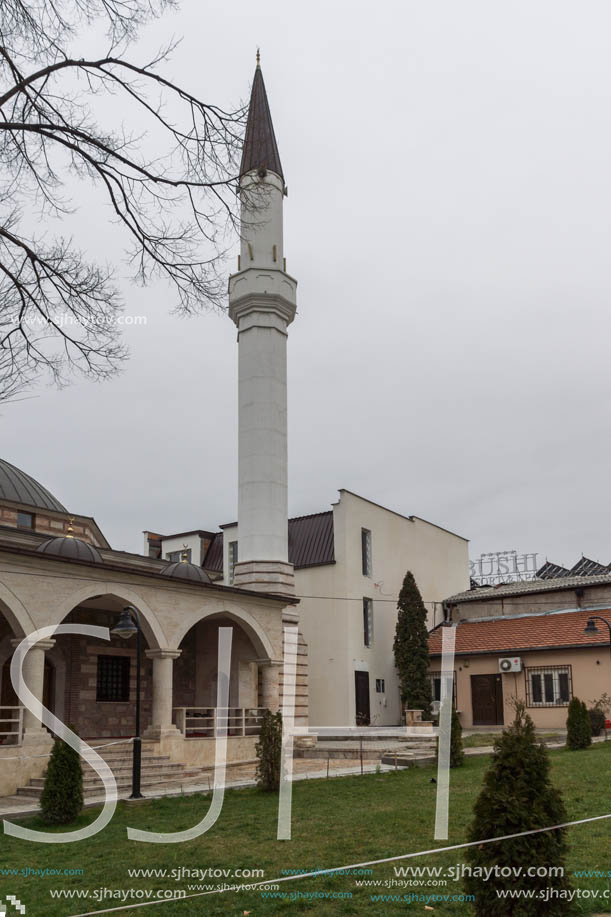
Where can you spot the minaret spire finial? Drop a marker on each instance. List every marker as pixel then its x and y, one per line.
pixel 258 57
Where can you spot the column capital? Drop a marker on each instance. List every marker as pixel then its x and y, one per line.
pixel 39 645
pixel 162 653
pixel 269 662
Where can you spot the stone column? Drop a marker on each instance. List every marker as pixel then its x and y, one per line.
pixel 34 676
pixel 163 665
pixel 270 688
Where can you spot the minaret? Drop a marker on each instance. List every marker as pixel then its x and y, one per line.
pixel 262 305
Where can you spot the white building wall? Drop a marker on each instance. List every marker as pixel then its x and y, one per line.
pixel 192 542
pixel 333 627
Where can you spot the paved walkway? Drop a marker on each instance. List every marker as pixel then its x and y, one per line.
pixel 303 769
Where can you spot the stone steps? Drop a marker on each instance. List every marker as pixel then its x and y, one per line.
pixel 157 771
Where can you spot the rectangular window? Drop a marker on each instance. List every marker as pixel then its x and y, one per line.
pixel 380 686
pixel 436 687
pixel 366 551
pixel 368 622
pixel 176 556
pixel 25 521
pixel 537 693
pixel 233 559
pixel 548 686
pixel 113 679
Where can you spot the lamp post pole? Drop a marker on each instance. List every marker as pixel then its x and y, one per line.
pixel 137 763
pixel 125 629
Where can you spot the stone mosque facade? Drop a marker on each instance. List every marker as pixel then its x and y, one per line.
pixel 56 567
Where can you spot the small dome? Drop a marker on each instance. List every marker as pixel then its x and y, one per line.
pixel 183 570
pixel 19 487
pixel 71 548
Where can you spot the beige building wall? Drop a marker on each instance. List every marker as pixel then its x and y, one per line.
pixel 590 671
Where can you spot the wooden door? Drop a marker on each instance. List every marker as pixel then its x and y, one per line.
pixel 487 700
pixel 361 692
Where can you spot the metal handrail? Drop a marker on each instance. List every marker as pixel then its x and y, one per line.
pixel 238 721
pixel 18 732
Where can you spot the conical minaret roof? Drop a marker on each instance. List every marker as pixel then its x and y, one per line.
pixel 260 149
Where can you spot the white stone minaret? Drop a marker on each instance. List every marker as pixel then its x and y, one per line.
pixel 262 305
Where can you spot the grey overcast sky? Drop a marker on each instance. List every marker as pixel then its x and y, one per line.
pixel 449 223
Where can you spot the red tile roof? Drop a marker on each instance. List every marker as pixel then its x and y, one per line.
pixel 528 632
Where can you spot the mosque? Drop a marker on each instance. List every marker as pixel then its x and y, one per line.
pixel 56 566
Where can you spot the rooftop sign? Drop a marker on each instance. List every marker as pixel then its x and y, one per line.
pixel 503 567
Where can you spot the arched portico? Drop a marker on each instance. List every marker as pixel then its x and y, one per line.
pixel 253 669
pixel 97 694
pixel 233 615
pixel 118 595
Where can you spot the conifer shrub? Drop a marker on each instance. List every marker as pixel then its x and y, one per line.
pixel 269 751
pixel 457 754
pixel 61 800
pixel 411 649
pixel 578 726
pixel 517 795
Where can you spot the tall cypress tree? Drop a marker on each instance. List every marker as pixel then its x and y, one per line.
pixel 517 795
pixel 411 648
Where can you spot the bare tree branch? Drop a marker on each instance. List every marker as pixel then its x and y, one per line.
pixel 173 189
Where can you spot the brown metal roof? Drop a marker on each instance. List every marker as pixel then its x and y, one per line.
pixel 213 561
pixel 311 540
pixel 260 149
pixel 310 543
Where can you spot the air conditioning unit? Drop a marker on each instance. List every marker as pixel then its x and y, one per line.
pixel 510 664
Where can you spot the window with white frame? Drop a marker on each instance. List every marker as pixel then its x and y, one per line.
pixel 548 686
pixel 436 686
pixel 366 551
pixel 368 622
pixel 233 559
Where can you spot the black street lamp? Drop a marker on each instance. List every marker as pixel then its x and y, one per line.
pixel 591 627
pixel 125 629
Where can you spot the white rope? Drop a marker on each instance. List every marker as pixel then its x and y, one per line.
pixel 340 869
pixel 48 754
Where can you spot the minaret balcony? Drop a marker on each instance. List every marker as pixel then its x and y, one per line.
pixel 262 290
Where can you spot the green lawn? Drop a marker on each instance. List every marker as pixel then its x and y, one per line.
pixel 335 822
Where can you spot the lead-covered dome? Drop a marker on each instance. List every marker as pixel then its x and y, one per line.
pixel 70 548
pixel 182 569
pixel 19 487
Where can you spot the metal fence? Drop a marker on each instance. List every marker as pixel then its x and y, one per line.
pixel 205 722
pixel 11 725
